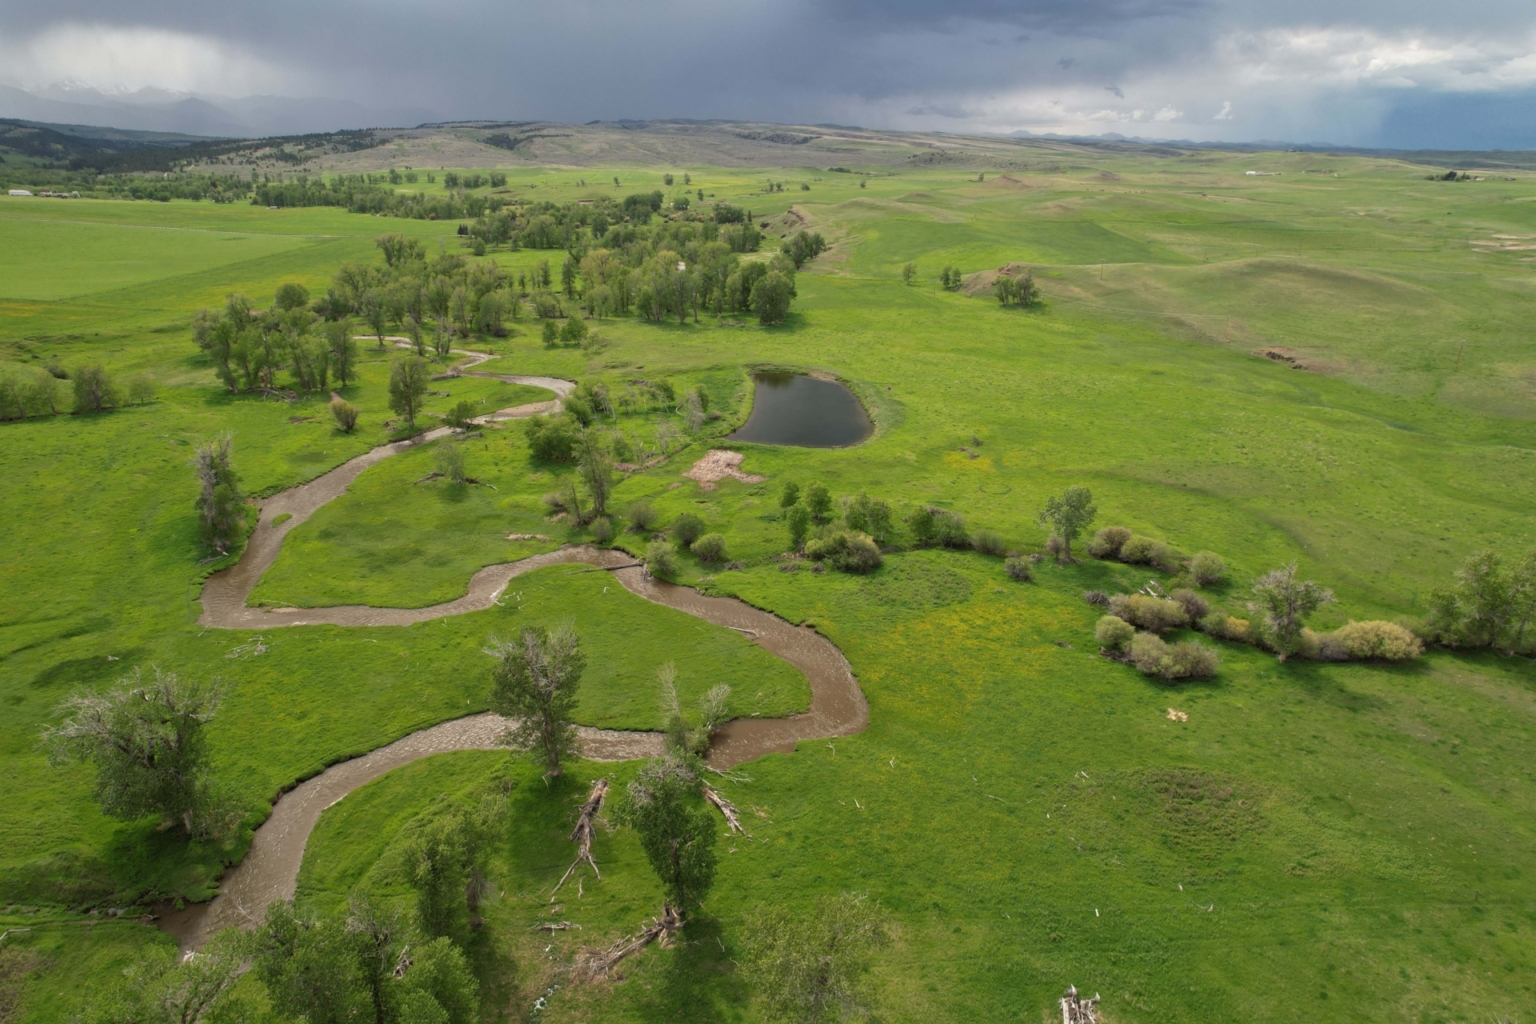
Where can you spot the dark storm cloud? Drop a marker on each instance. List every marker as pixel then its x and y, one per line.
pixel 1191 68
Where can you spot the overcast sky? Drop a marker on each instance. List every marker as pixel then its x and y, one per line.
pixel 1425 73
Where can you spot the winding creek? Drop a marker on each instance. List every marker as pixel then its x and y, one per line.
pixel 270 869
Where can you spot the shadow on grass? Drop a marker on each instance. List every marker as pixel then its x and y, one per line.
pixel 699 980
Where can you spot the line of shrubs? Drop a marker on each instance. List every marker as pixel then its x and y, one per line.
pixel 1116 543
pixel 36 393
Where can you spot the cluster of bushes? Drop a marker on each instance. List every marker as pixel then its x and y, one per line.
pixel 1282 602
pixel 1116 543
pixel 38 392
pixel 803 246
pixel 250 347
pixel 1489 605
pixel 687 533
pixel 1017 291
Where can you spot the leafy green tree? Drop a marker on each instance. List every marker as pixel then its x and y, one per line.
pixel 408 377
pixel 676 831
pixel 790 494
pixel 568 271
pixel 1068 515
pixel 343 349
pixel 375 311
pixel 573 331
pixel 309 967
pixel 439 986
pixel 806 968
pixel 382 936
pixel 799 521
pixel 908 273
pixel 1284 602
pixel 93 389
pixel 1489 605
pixel 1017 291
pixel 551 334
pixel 535 682
pixel 146 741
pixel 771 296
pixel 164 987
pixel 220 503
pixel 291 295
pixel 818 500
pixel 686 529
pixel 869 515
pixel 596 468
pixel 445 864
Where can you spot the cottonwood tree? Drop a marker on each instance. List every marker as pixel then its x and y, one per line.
pixel 534 682
pixel 408 377
pixel 596 468
pixel 220 504
pixel 806 968
pixel 445 864
pixel 374 308
pixel 1489 605
pixel 665 807
pixel 1068 515
pixel 1283 603
pixel 146 742
pixel 93 389
pixel 163 986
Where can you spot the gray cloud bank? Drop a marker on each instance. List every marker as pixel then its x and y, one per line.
pixel 1407 74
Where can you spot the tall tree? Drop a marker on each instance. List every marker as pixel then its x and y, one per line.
pixel 596 467
pixel 1284 602
pixel 343 349
pixel 220 504
pixel 806 968
pixel 534 682
pixel 408 377
pixel 146 742
pixel 676 831
pixel 164 987
pixel 1068 515
pixel 445 864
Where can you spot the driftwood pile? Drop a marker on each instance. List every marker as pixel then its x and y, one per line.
pixel 726 808
pixel 592 964
pixel 1076 1010
pixel 581 835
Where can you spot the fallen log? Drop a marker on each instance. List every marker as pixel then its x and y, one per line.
pixel 592 964
pixel 726 808
pixel 581 835
pixel 1077 1010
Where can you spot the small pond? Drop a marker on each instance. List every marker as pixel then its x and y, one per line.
pixel 788 408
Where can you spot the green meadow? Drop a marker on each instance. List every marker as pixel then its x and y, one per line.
pixel 1316 842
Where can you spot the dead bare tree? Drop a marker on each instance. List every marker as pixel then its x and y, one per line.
pixel 592 964
pixel 1076 1010
pixel 726 808
pixel 581 835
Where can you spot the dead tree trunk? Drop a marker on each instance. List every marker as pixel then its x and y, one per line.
pixel 1076 1010
pixel 726 808
pixel 592 964
pixel 581 835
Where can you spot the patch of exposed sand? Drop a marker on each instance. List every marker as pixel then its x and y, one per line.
pixel 718 464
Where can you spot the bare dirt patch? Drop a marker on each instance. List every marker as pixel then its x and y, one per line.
pixel 718 464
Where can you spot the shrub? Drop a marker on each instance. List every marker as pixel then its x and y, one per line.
pixel 141 389
pixel 602 529
pixel 1114 632
pixel 551 333
pixel 1153 613
pixel 93 389
pixel 1320 646
pixel 1185 660
pixel 790 495
pixel 1108 542
pixel 551 438
pixel 1054 546
pixel 1376 640
pixel 1207 568
pixel 1096 597
pixel 642 517
pixel 920 525
pixel 846 551
pixel 659 560
pixel 1223 626
pixel 554 501
pixel 686 529
pixel 449 460
pixel 949 530
pixel 1195 607
pixel 461 416
pixel 710 547
pixel 1020 569
pixel 988 542
pixel 1139 550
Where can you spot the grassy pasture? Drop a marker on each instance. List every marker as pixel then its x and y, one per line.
pixel 1352 841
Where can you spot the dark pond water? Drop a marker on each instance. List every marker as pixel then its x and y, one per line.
pixel 803 411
